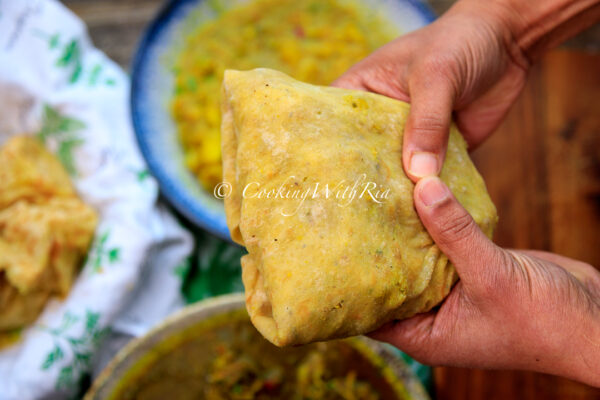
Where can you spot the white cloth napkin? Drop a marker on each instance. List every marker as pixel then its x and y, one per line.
pixel 56 85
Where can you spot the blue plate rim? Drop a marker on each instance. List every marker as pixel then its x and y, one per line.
pixel 178 198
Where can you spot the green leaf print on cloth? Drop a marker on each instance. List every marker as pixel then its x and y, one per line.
pixel 57 80
pixel 64 131
pixel 78 347
pixel 142 175
pixel 70 57
pixel 55 355
pixel 100 254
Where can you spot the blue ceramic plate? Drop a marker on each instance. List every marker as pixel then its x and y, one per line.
pixel 152 86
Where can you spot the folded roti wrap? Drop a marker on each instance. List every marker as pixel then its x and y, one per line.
pixel 322 204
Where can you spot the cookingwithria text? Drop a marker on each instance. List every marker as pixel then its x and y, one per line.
pixel 343 192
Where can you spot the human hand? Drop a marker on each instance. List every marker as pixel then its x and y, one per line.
pixel 511 309
pixel 464 62
pixel 472 61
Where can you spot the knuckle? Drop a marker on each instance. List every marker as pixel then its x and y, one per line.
pixel 429 125
pixel 456 227
pixel 437 71
pixel 435 64
pixel 492 282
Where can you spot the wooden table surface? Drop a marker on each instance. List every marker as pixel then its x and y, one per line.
pixel 542 169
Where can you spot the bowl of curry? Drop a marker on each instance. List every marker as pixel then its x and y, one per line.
pixel 178 69
pixel 211 351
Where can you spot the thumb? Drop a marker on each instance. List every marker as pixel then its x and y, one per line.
pixel 428 125
pixel 476 259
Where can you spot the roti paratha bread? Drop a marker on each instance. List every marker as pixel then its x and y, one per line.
pixel 328 258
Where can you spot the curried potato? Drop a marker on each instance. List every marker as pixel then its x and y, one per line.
pixel 311 40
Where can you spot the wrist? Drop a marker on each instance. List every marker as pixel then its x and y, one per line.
pixel 502 19
pixel 530 28
pixel 543 25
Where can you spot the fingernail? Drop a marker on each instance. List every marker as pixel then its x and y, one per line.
pixel 433 192
pixel 423 164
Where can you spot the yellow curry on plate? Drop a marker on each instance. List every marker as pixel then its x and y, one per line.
pixel 313 41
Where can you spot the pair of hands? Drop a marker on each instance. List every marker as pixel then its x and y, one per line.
pixel 511 309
